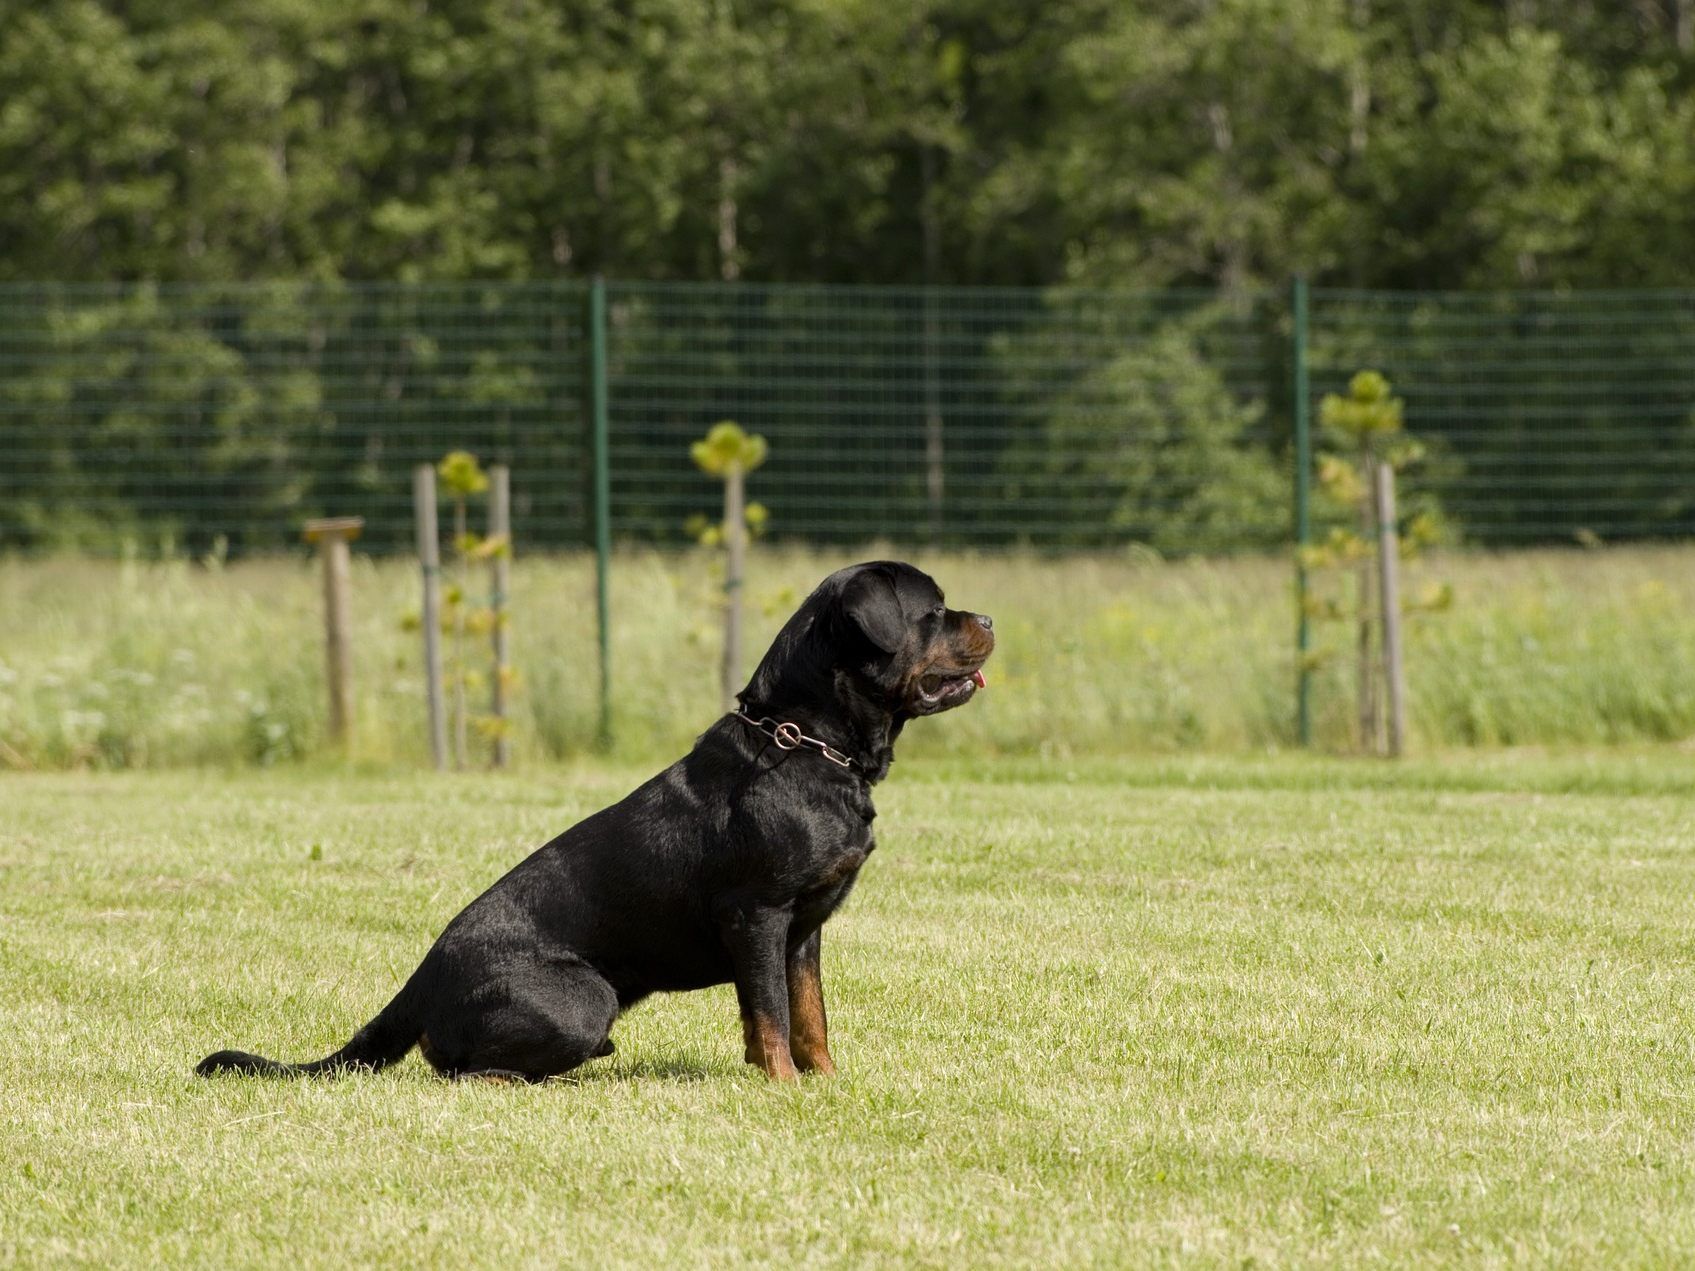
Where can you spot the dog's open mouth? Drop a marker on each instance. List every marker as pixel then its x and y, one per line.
pixel 938 692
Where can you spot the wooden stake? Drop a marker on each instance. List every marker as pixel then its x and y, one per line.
pixel 429 560
pixel 500 574
pixel 1365 651
pixel 735 544
pixel 1389 589
pixel 332 535
pixel 460 711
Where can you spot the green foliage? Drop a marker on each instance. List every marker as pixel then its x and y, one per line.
pixel 726 448
pixel 1449 143
pixel 179 415
pixel 1366 414
pixel 462 476
pixel 1369 422
pixel 241 410
pixel 1150 445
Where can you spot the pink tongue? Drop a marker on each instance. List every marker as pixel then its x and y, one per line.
pixel 981 682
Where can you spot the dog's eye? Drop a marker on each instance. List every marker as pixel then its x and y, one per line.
pixel 940 611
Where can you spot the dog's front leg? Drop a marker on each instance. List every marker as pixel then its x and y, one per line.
pixel 807 1027
pixel 757 939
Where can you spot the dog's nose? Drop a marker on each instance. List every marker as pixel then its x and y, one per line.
pixel 986 622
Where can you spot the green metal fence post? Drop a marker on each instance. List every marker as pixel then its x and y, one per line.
pixel 600 424
pixel 1303 504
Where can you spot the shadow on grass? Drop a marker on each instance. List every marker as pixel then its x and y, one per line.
pixel 684 1069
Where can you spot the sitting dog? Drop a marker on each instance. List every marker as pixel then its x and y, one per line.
pixel 724 867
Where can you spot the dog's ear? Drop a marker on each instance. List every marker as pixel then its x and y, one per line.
pixel 869 603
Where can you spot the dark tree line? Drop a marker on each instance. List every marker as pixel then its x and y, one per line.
pixel 489 155
pixel 1427 143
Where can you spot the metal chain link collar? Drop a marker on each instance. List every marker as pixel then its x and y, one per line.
pixel 789 737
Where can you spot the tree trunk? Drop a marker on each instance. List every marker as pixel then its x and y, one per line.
pixel 729 259
pixel 1359 84
pixel 1359 123
pixel 1233 251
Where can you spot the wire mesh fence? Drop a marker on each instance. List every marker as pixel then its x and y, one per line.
pixel 980 417
pixel 1548 417
pixel 188 417
pixel 184 417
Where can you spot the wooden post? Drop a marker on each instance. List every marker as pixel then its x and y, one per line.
pixel 500 575
pixel 1389 589
pixel 1365 576
pixel 460 713
pixel 429 560
pixel 332 535
pixel 1302 412
pixel 735 545
pixel 600 447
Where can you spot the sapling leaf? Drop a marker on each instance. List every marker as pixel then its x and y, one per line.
pixel 461 475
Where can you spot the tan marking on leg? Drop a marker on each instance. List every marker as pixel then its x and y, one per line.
pixel 768 1048
pixel 808 1030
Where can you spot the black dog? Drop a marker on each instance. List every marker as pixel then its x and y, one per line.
pixel 723 867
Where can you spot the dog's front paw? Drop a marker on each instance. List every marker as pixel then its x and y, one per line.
pixel 817 1061
pixel 767 1054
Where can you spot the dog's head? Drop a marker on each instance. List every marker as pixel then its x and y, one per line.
pixel 883 632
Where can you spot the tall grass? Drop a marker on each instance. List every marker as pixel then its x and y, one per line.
pixel 131 664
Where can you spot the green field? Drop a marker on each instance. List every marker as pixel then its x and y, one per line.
pixel 135 665
pixel 1101 1012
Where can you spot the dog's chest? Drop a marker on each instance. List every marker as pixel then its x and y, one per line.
pixel 845 865
pixel 832 866
pixel 813 842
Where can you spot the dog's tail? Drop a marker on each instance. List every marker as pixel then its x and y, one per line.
pixel 377 1045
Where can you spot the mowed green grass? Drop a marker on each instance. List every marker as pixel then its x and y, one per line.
pixel 1106 1013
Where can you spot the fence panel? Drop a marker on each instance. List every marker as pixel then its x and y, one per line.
pixel 968 416
pixel 1550 417
pixel 175 417
pixel 172 417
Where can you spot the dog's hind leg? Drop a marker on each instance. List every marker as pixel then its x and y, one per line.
pixel 496 1076
pixel 548 1025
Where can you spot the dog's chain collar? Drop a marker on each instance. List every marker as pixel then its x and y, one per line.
pixel 789 737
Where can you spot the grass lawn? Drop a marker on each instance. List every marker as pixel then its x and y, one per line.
pixel 1271 1010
